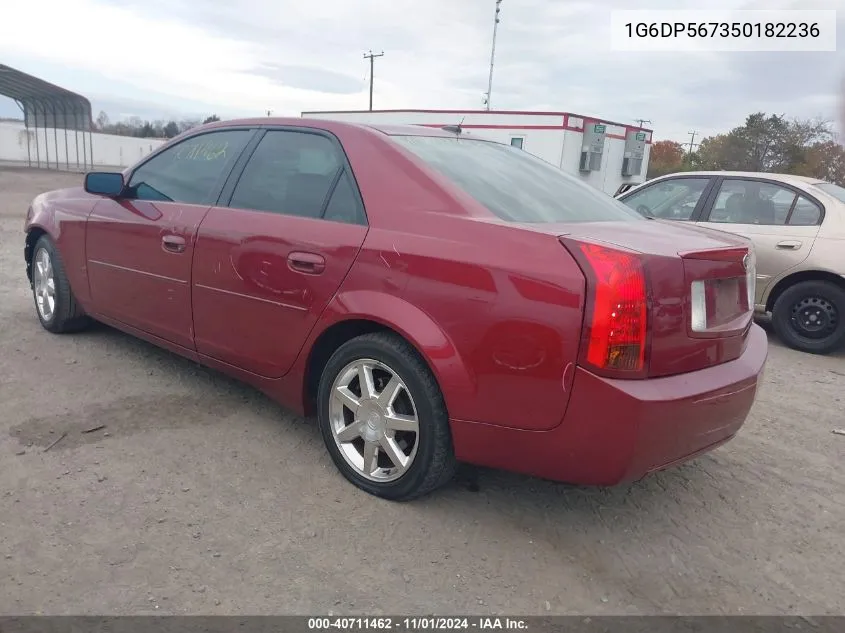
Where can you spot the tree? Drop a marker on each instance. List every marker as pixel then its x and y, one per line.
pixel 171 129
pixel 211 119
pixel 825 161
pixel 720 152
pixel 765 143
pixel 187 124
pixel 691 162
pixel 665 158
pixel 102 120
pixel 147 131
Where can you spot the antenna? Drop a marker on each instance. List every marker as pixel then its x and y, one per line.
pixel 455 129
pixel 489 95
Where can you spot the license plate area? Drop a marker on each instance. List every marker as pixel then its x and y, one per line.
pixel 719 297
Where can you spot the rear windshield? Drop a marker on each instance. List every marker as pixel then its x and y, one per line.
pixel 515 185
pixel 832 190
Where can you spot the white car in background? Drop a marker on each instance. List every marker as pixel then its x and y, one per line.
pixel 797 226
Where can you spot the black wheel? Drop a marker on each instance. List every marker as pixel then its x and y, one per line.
pixel 810 316
pixel 383 418
pixel 55 304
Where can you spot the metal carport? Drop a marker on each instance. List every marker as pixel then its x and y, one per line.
pixel 47 107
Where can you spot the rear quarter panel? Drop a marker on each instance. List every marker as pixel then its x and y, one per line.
pixel 827 254
pixel 496 310
pixel 62 215
pixel 498 325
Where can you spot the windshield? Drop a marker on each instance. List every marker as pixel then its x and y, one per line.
pixel 515 185
pixel 832 190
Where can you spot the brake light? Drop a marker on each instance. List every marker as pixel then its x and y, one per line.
pixel 617 316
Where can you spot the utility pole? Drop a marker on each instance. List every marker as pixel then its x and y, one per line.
pixel 641 122
pixel 489 96
pixel 372 57
pixel 692 142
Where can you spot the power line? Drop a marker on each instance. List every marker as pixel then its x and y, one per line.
pixel 372 57
pixel 692 142
pixel 489 96
pixel 641 122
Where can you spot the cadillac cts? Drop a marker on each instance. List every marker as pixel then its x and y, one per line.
pixel 431 297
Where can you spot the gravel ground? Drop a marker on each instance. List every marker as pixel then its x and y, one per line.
pixel 200 495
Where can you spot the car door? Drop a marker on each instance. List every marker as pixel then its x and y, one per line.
pixel 676 198
pixel 270 257
pixel 139 246
pixel 780 220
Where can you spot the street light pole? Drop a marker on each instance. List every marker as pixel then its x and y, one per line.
pixel 493 54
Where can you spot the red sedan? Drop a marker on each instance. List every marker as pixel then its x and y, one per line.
pixel 432 297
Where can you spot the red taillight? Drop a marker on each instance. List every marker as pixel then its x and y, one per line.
pixel 617 314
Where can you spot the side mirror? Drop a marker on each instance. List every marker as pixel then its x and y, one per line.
pixel 104 183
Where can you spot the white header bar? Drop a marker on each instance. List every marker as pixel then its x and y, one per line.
pixel 723 31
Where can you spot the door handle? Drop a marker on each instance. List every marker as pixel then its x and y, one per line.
pixel 173 243
pixel 308 263
pixel 789 245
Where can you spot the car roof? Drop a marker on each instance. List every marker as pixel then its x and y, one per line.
pixel 335 125
pixel 786 178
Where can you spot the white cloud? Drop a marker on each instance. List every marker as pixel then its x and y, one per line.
pixel 551 54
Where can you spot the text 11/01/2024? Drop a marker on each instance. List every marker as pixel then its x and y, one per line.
pixel 417 623
pixel 723 31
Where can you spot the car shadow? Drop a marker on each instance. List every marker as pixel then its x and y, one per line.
pixel 485 491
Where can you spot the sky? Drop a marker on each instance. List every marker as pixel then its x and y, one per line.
pixel 161 59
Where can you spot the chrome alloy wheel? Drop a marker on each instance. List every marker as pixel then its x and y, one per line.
pixel 374 420
pixel 44 284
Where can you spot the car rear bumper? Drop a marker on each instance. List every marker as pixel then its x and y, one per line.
pixel 621 430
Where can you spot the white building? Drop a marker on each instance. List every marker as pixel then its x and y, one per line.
pixel 607 155
pixel 65 149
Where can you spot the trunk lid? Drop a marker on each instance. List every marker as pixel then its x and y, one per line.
pixel 699 284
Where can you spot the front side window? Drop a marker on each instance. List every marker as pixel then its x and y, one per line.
pixel 294 173
pixel 673 199
pixel 752 202
pixel 189 171
pixel 513 184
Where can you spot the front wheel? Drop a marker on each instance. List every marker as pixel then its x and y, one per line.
pixel 55 304
pixel 810 317
pixel 383 418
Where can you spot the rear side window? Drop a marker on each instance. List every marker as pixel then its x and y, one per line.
pixel 515 185
pixel 832 190
pixel 189 171
pixel 805 213
pixel 291 173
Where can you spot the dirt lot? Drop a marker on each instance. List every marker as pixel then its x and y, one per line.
pixel 202 496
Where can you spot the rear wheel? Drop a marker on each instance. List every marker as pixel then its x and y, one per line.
pixel 810 316
pixel 55 304
pixel 383 418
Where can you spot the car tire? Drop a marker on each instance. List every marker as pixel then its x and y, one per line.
pixel 402 395
pixel 55 305
pixel 810 316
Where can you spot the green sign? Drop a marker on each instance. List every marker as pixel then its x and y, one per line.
pixel 599 128
pixel 641 136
